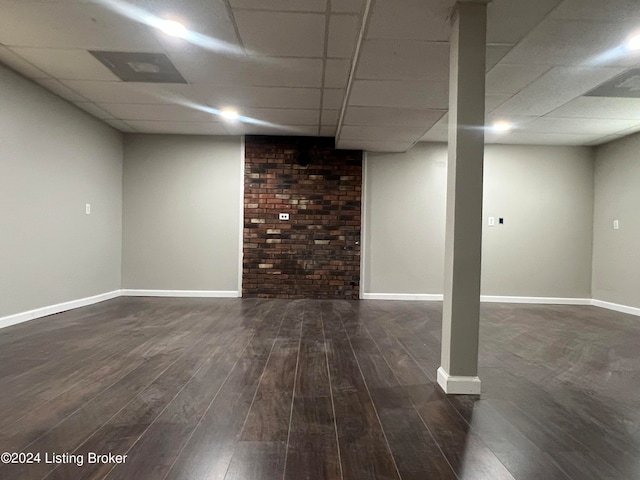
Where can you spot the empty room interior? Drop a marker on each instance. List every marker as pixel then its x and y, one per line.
pixel 320 239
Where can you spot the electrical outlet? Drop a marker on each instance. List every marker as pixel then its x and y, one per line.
pixel 284 216
pixel 616 224
pixel 492 221
pixel 87 209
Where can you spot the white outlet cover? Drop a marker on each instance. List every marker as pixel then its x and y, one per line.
pixel 87 208
pixel 284 216
pixel 492 221
pixel 616 225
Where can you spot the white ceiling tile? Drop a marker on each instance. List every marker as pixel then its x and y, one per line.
pixel 70 25
pixel 264 97
pixel 410 19
pixel 164 112
pixel 61 90
pixel 330 118
pixel 116 92
pixel 279 34
pixel 347 6
pixel 440 131
pixel 94 110
pixel 250 129
pixel 384 59
pixel 184 128
pixel 217 97
pixel 443 123
pixel 600 107
pixel 67 64
pixel 510 79
pixel 517 122
pixel 19 64
pixel 525 138
pixel 332 98
pixel 417 95
pixel 283 5
pixel 281 116
pixel 392 116
pixel 581 126
pixel 582 43
pixel 336 73
pixel 401 84
pixel 510 20
pixel 493 101
pixel 606 11
pixel 209 20
pixel 435 135
pixel 120 125
pixel 555 88
pixel 375 133
pixel 495 53
pixel 343 33
pixel 603 140
pixel 630 131
pixel 327 131
pixel 373 145
pixel 215 69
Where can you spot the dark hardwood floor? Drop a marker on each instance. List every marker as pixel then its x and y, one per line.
pixel 273 389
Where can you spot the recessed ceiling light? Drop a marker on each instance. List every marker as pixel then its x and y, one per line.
pixel 501 126
pixel 173 28
pixel 634 43
pixel 229 114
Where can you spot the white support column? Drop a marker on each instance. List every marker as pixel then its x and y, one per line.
pixel 458 373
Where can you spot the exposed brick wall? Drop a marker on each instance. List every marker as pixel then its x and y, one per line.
pixel 316 253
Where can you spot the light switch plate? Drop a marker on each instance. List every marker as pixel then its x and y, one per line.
pixel 616 225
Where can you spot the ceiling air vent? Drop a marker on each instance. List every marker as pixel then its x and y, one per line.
pixel 626 85
pixel 140 67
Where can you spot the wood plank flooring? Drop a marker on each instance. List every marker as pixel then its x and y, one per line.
pixel 301 390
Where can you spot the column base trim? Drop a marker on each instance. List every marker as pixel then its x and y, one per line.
pixel 453 385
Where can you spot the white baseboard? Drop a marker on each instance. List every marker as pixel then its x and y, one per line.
pixel 535 300
pixel 83 302
pixel 453 385
pixel 180 293
pixel 434 297
pixel 426 297
pixel 617 307
pixel 52 309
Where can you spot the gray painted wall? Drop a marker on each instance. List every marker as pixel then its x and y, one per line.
pixel 54 159
pixel 405 220
pixel 181 212
pixel 544 248
pixel 616 253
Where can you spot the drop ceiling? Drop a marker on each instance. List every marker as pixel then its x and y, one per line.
pixel 374 74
